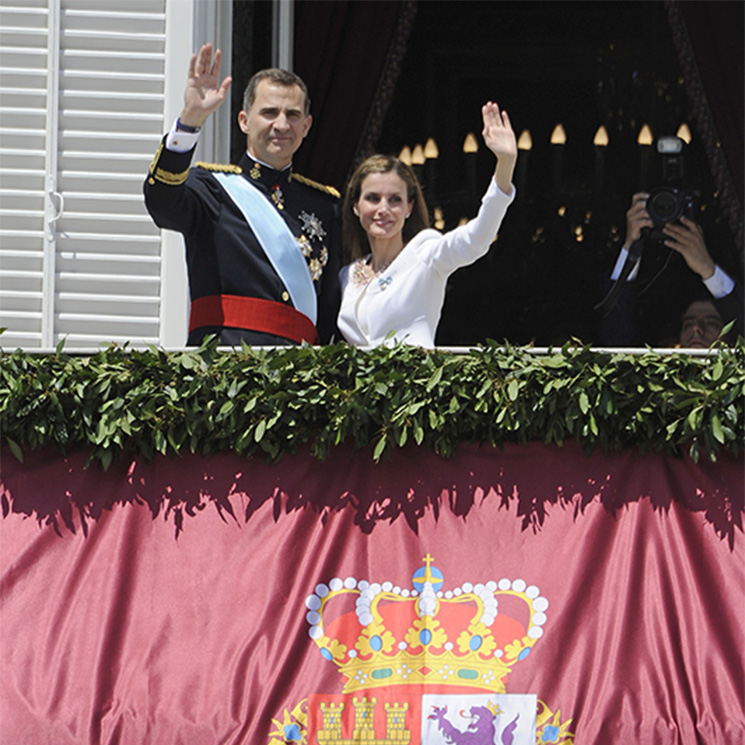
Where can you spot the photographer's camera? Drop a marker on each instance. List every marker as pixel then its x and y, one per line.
pixel 673 200
pixel 668 204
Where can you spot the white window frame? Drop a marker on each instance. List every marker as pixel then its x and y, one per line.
pixel 208 21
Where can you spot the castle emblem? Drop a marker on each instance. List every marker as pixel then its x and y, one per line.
pixel 364 731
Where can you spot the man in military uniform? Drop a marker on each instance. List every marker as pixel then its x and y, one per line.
pixel 262 243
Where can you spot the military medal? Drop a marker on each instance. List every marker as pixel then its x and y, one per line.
pixel 278 197
pixel 312 225
pixel 316 269
pixel 305 246
pixel 315 264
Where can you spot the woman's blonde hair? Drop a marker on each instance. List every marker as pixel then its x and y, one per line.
pixel 355 240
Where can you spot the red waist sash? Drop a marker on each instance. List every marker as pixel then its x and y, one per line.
pixel 252 314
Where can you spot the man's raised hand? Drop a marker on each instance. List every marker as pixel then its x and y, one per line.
pixel 204 92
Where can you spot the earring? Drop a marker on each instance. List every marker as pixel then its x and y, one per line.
pixel 356 212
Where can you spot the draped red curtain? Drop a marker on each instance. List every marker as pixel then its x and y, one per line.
pixel 220 599
pixel 347 52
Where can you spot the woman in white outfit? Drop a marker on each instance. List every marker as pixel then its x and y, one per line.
pixel 394 288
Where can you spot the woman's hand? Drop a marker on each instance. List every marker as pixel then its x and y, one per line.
pixel 497 133
pixel 500 139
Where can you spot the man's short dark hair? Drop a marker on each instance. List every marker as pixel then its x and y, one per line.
pixel 276 75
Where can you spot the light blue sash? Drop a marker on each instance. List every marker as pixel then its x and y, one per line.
pixel 276 240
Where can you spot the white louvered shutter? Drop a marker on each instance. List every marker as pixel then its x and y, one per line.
pixel 87 88
pixel 110 112
pixel 82 112
pixel 24 59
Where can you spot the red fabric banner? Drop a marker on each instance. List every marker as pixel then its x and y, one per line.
pixel 224 600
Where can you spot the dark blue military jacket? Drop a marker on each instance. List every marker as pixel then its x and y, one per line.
pixel 223 254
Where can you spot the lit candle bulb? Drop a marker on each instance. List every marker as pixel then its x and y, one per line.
pixel 558 140
pixel 405 155
pixel 600 141
pixel 431 153
pixel 470 149
pixel 684 133
pixel 417 160
pixel 645 140
pixel 524 145
pixel 470 144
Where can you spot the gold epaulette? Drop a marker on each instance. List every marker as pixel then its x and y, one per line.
pixel 221 167
pixel 321 187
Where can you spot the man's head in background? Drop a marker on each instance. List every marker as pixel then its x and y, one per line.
pixel 701 325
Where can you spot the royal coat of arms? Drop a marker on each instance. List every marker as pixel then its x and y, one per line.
pixel 423 664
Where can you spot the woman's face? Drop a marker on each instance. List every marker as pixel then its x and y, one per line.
pixel 382 206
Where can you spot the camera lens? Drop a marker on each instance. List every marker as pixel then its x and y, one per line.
pixel 664 205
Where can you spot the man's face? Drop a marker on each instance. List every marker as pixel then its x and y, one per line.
pixel 276 125
pixel 702 325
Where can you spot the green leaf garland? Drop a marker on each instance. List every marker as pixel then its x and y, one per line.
pixel 271 401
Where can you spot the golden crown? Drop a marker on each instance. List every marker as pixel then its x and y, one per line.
pixel 425 636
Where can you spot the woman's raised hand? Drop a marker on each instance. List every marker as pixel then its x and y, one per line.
pixel 497 133
pixel 500 139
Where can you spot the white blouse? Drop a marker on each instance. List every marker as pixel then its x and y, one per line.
pixel 408 296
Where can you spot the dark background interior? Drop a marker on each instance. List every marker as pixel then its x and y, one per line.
pixel 386 74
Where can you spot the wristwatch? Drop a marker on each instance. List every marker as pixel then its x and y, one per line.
pixel 181 127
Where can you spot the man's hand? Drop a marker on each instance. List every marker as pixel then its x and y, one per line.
pixel 688 240
pixel 203 93
pixel 637 218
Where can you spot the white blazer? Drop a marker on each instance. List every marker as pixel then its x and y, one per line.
pixel 408 296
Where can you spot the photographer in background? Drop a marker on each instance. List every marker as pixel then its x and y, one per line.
pixel 659 220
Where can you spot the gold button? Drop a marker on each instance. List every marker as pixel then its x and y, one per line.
pixel 285 296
